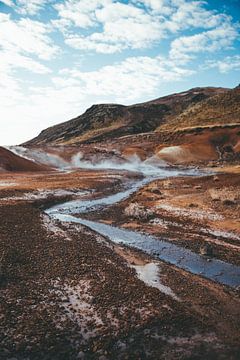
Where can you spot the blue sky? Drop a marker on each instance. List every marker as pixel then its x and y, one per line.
pixel 57 58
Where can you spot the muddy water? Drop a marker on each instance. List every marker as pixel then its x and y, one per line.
pixel 213 269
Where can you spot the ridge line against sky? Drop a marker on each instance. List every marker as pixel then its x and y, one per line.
pixel 57 58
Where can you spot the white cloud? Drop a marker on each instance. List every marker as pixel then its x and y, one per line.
pixel 129 81
pixel 123 25
pixel 23 44
pixel 80 13
pixel 10 91
pixel 225 65
pixel 11 59
pixel 114 26
pixel 8 2
pixel 184 48
pixel 163 7
pixel 30 41
pixel 30 7
pixel 193 14
pixel 26 36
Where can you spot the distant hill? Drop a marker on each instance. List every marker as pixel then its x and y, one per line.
pixel 112 121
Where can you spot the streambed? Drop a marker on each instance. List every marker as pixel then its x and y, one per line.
pixel 210 268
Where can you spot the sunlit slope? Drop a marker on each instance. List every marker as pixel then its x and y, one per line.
pixel 220 109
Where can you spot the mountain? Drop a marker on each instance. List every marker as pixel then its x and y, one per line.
pixel 110 121
pixel 12 162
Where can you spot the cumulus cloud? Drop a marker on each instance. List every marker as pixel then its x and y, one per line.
pixel 123 25
pixel 128 80
pixel 30 7
pixel 80 13
pixel 27 36
pixel 24 44
pixel 224 65
pixel 193 14
pixel 185 47
pixel 115 26
pixel 163 7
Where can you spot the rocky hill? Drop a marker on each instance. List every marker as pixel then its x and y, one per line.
pixel 110 121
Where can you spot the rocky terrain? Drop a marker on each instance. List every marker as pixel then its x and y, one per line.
pixel 69 292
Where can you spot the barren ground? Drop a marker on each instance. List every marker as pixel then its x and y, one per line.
pixel 68 293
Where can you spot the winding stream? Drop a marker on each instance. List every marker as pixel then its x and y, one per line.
pixel 216 270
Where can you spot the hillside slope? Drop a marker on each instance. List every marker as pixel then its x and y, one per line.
pixel 109 121
pixel 221 109
pixel 12 162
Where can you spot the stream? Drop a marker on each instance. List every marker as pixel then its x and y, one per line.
pixel 210 268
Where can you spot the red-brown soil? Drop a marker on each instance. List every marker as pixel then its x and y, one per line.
pixel 203 145
pixel 12 162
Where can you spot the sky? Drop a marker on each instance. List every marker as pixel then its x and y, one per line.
pixel 57 58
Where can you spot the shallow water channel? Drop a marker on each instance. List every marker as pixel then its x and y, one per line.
pixel 210 268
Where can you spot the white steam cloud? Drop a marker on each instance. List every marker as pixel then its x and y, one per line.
pixel 40 156
pixel 134 164
pixel 153 166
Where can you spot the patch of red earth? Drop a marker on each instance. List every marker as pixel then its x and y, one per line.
pixel 14 163
pixel 202 145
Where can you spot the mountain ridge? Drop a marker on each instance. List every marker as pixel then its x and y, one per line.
pixel 101 122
